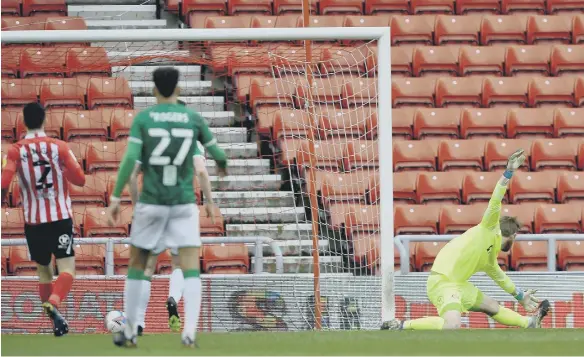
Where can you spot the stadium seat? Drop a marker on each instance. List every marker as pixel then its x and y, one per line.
pixel 334 7
pixel 481 61
pixel 461 154
pixel 351 122
pixel 581 156
pixel 568 122
pixel 22 23
pixel 483 122
pixel 436 123
pixel 413 92
pixel 274 92
pixel 549 29
pixel 225 259
pixel 571 255
pixel 509 92
pixel 12 223
pixel 435 61
pixel 579 92
pixel 459 92
pixel 401 61
pixel 529 255
pixel 522 6
pixel 42 62
pixel 227 22
pixel 113 91
pixel 110 182
pixel 361 219
pixel 122 258
pixel 456 219
pixel 365 251
pixel 11 8
pixel 324 91
pixel 42 7
pixel 564 6
pixel 497 151
pixel 361 154
pixel 95 222
pixel 86 125
pixel 87 61
pixel 432 7
pixel 527 60
pixel 553 153
pixel 571 187
pixel 18 92
pixel 238 7
pixel 524 212
pixel 578 29
pixel 439 187
pixel 379 20
pixel 10 61
pixel 328 154
pixel 89 259
pixel 211 6
pixel 425 253
pixel 412 30
pixel 402 123
pixel 464 7
pixel 550 91
pixel 557 219
pixel 337 60
pixel 92 193
pixel 79 150
pixel 66 23
pixel 295 123
pixel 457 30
pixel 293 6
pixel 416 219
pixel 345 187
pixel 62 92
pixel 478 186
pixel 164 263
pixel 9 120
pixel 404 187
pixel 415 155
pixel 120 123
pixel 52 125
pixel 372 195
pixel 5 257
pixel 20 263
pixel 530 123
pixel 380 7
pixel 533 186
pixel 357 92
pixel 503 29
pixel 104 155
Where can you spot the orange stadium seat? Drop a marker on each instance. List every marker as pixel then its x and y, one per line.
pixel 568 122
pixel 218 22
pixel 402 122
pixel 404 187
pixel 66 23
pixel 457 30
pixel 436 123
pixel 52 125
pixel 478 186
pixel 296 124
pixel 549 29
pixel 9 120
pixel 483 122
pixel 416 219
pixel 564 6
pixel 273 92
pixel 529 255
pixel 89 259
pixel 566 60
pixel 432 6
pixel 351 122
pixel 379 20
pixel 548 91
pixel 456 219
pixel 417 92
pixel 372 195
pixel 459 92
pixel 481 60
pixel 289 150
pixel 225 259
pixel 425 253
pixel 522 6
pixel 86 125
pixel 164 263
pixel 329 154
pixel 533 186
pixel 461 154
pixel 356 92
pixel 87 61
pixel 464 7
pixel 11 8
pixel 22 23
pixel 379 7
pixel 571 255
pixel 95 223
pixel 120 123
pixel 92 193
pixel 525 213
pixel 79 150
pixel 333 7
pixel 214 6
pixel 238 7
pixel 412 30
pixel 293 6
pixel 505 92
pixel 401 61
pixel 365 251
pixel 361 219
pixel 503 29
pixel 497 151
pixel 336 214
pixel 557 219
pixel 18 92
pixel 104 155
pixel 553 153
pixel 10 61
pixel 113 91
pixel 42 62
pixel 361 154
pixel 579 92
pixel 121 258
pixel 12 223
pixel 530 122
pixel 62 92
pixel 581 156
pixel 578 29
pixel 20 262
pixel 571 187
pixel 435 61
pixel 415 155
pixel 346 187
pixel 527 60
pixel 439 187
pixel 336 60
pixel 42 7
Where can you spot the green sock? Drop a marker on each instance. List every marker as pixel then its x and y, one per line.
pixel 424 323
pixel 509 317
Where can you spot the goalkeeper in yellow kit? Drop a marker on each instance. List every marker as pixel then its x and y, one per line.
pixel 476 250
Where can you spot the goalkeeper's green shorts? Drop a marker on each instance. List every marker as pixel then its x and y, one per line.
pixel 446 295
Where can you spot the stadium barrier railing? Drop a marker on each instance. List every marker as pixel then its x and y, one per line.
pixel 404 249
pixel 258 242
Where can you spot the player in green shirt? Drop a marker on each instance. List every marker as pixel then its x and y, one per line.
pixel 162 141
pixel 476 250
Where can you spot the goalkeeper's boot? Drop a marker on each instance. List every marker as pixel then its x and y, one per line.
pixel 173 318
pixel 542 311
pixel 189 342
pixel 394 324
pixel 60 326
pixel 121 340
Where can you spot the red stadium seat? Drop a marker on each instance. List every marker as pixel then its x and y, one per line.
pixel 581 156
pixel 86 125
pixel 121 121
pixel 527 60
pixel 43 62
pixel 347 187
pixel 529 122
pixel 412 30
pixel 550 91
pixel 295 123
pixel 461 154
pixel 361 154
pixel 436 123
pixel 10 61
pixel 323 21
pixel 439 187
pixel 415 155
pixel 333 7
pixel 425 253
pixel 336 60
pixel 459 92
pixel 18 92
pixel 503 29
pixel 481 60
pixel 435 61
pixel 522 6
pixel 357 92
pixel 365 251
pixel 432 7
pixel 571 187
pixel 557 219
pixel 457 30
pixel 564 6
pixel 62 92
pixel 362 219
pixel 11 8
pixel 9 120
pixel 214 6
pixel 293 6
pixel 95 223
pixel 464 7
pixel 568 122
pixel 505 92
pixel 458 219
pixel 79 150
pixel 417 92
pixel 578 29
pixel 525 213
pixel 270 91
pixel 113 91
pixel 92 193
pixel 328 154
pixel 416 219
pixel 529 255
pixel 483 122
pixel 533 186
pixel 41 7
pixel 91 61
pixel 104 155
pixel 12 223
pixel 478 186
pixel 579 92
pixel 549 29
pixel 401 61
pixel 89 259
pixel 379 20
pixel 20 262
pixel 22 23
pixel 404 188
pixel 402 122
pixel 498 151
pixel 121 258
pixel 225 259
pixel 571 255
pixel 373 7
pixel 237 7
pixel 227 22
pixel 65 23
pixel 553 153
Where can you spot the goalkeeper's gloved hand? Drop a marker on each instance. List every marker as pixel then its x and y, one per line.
pixel 528 300
pixel 515 160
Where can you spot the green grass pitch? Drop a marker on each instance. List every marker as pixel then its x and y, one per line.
pixel 507 342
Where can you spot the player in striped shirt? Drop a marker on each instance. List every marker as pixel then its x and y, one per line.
pixel 45 167
pixel 476 250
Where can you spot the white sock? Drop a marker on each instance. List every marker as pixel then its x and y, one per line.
pixel 132 293
pixel 192 295
pixel 144 299
pixel 176 285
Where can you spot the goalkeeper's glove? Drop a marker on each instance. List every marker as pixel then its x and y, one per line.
pixel 528 300
pixel 515 160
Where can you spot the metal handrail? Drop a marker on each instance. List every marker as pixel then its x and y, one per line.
pixel 258 242
pixel 404 249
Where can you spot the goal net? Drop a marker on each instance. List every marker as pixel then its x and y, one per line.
pixel 296 243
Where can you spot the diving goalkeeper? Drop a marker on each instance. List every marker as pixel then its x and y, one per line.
pixel 474 251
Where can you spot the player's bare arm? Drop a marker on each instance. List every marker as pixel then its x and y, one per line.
pixel 9 166
pixel 205 182
pixel 127 166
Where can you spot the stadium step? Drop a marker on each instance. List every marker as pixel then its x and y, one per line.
pixel 218 119
pixel 246 182
pixel 254 199
pixel 113 12
pixel 125 24
pixel 292 231
pixel 188 87
pixel 150 52
pixel 230 135
pixel 262 214
pixel 201 104
pixel 290 247
pixel 302 264
pixel 144 73
pixel 242 167
pixel 239 150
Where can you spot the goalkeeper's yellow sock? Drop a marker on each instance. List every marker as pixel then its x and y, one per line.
pixel 424 323
pixel 509 317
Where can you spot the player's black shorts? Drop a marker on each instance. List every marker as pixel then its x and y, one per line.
pixel 47 239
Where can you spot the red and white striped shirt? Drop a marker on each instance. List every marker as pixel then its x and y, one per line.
pixel 45 166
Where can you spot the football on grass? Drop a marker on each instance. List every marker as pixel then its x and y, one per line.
pixel 115 321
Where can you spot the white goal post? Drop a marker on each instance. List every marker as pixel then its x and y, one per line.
pixel 384 137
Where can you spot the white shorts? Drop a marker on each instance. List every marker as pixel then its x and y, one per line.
pixel 156 228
